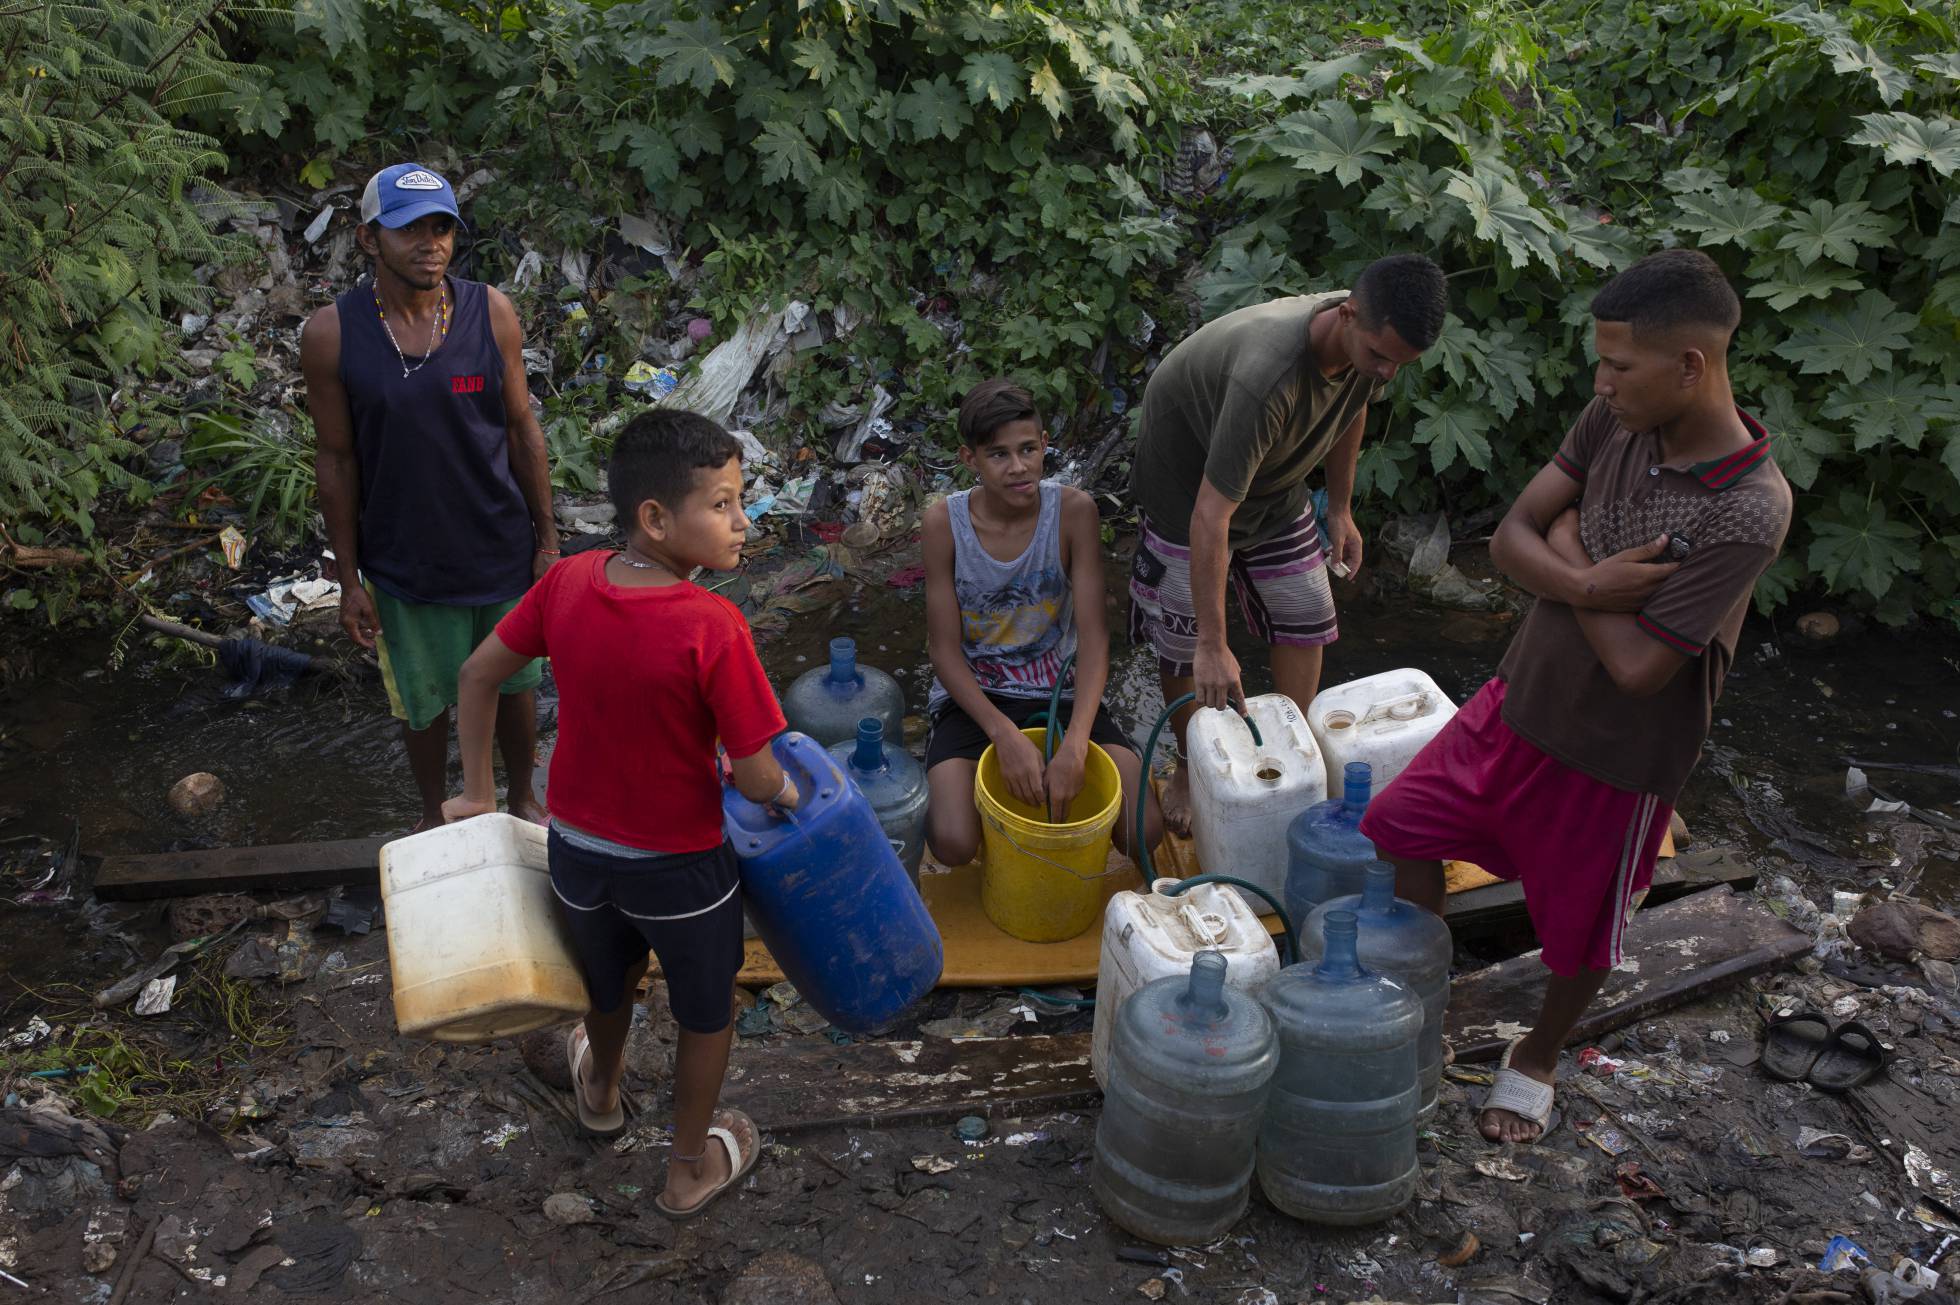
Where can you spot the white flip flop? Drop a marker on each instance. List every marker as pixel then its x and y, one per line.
pixel 578 1050
pixel 1523 1096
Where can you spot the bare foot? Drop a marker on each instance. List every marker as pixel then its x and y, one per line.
pixel 1506 1125
pixel 529 808
pixel 690 1183
pixel 1176 803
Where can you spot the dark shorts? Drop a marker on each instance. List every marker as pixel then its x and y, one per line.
pixel 955 735
pixel 686 908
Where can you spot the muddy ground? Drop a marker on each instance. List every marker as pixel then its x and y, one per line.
pixel 280 1139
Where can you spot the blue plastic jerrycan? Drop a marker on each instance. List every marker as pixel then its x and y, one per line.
pixel 1326 856
pixel 827 894
pixel 894 784
pixel 827 703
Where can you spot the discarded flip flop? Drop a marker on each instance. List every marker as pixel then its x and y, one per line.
pixel 736 1133
pixel 1852 1057
pixel 1523 1096
pixel 578 1051
pixel 1792 1043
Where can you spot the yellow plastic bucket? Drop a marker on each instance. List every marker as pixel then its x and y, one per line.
pixel 1043 882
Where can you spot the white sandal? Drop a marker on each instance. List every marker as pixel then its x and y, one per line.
pixel 740 1160
pixel 1523 1096
pixel 578 1051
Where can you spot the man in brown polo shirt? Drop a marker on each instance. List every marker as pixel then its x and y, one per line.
pixel 1642 539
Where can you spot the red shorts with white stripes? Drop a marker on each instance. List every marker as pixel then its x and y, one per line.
pixel 1582 848
pixel 1281 583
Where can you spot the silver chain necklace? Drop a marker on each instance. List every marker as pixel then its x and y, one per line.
pixel 438 330
pixel 625 555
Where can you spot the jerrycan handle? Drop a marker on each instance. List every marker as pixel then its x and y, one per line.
pixel 1397 711
pixel 1201 928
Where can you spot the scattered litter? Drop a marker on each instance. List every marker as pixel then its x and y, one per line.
pixel 291 595
pixel 871 422
pixel 1842 1253
pixel 932 1164
pixel 36 1029
pixel 1610 1140
pixel 714 387
pixel 972 1128
pixel 318 226
pixel 1921 1173
pixel 233 544
pixel 655 382
pixel 1598 1063
pixel 500 1137
pixel 1762 1257
pixel 1465 1251
pixel 1821 1145
pixel 156 995
pixel 1151 1289
pixel 1635 1185
pixel 1025 1139
pixel 1497 1166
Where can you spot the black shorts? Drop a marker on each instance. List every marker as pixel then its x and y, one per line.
pixel 955 735
pixel 687 908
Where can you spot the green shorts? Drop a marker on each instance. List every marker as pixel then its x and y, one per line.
pixel 422 647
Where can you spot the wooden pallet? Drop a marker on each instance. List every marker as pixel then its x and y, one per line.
pixel 276 867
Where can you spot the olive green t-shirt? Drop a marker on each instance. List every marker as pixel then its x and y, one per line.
pixel 1241 403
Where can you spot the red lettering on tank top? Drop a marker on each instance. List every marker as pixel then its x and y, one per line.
pixel 466 385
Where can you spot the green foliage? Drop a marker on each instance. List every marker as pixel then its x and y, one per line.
pixel 97 230
pixel 1538 149
pixel 266 465
pixel 882 153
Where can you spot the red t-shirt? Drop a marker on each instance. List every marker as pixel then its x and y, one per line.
pixel 647 680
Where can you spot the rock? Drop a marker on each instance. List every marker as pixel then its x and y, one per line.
pixel 569 1208
pixel 1818 627
pixel 1900 929
pixel 779 1278
pixel 543 1053
pixel 198 794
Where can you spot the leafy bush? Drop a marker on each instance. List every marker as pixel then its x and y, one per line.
pixel 1537 149
pixel 97 230
pixel 877 156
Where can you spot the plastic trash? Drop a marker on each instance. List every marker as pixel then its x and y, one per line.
pixel 1191 1063
pixel 655 382
pixel 722 376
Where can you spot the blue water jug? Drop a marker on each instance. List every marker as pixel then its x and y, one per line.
pixel 1338 1144
pixel 1189 1066
pixel 827 894
pixel 1405 942
pixel 1326 855
pixel 827 703
pixel 894 784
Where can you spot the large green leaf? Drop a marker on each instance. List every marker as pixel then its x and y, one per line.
pixel 1856 57
pixel 934 108
pixel 838 194
pixel 1310 83
pixel 259 108
pixel 1379 468
pixel 816 55
pixel 339 23
pixel 694 54
pixel 1836 231
pixel 1411 195
pixel 1853 343
pixel 1946 66
pixel 1246 275
pixel 1800 448
pixel 1047 90
pixel 1792 283
pixel 1857 547
pixel 1454 430
pixel 994 77
pixel 785 154
pixel 1908 138
pixel 1113 90
pixel 1503 215
pixel 1889 406
pixel 1725 216
pixel 1330 138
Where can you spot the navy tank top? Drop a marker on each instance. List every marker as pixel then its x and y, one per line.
pixel 441 517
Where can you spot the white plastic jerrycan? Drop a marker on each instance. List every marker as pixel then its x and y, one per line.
pixel 1383 720
pixel 1149 935
pixel 474 939
pixel 1244 794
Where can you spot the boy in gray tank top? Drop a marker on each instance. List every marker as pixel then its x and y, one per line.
pixel 1006 563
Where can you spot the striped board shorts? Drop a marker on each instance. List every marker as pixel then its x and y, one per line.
pixel 1281 584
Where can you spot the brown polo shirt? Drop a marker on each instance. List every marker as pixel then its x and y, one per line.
pixel 1734 512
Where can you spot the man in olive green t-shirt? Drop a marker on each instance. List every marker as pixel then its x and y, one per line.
pixel 1234 420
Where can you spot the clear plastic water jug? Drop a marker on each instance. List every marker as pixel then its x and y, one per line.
pixel 1326 855
pixel 827 703
pixel 1190 1064
pixel 1338 1144
pixel 1244 794
pixel 1405 942
pixel 894 784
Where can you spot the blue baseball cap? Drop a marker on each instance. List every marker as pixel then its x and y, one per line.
pixel 396 196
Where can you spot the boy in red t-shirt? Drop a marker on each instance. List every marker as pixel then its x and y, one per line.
pixel 651 670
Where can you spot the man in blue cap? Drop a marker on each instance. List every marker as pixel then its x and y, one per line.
pixel 432 474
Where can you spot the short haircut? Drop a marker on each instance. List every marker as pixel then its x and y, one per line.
pixel 1669 290
pixel 1406 291
pixel 992 404
pixel 657 455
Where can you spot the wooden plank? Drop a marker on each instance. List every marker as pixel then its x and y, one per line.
pixel 275 867
pixel 1676 953
pixel 1479 911
pixel 795 1087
